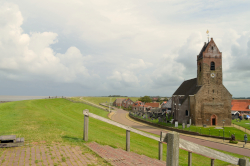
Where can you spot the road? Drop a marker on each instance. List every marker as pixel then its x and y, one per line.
pixel 120 116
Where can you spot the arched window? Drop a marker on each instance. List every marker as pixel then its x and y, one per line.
pixel 212 66
pixel 186 112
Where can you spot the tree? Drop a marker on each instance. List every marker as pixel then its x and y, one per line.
pixel 145 99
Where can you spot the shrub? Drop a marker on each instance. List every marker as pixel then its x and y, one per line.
pixel 233 142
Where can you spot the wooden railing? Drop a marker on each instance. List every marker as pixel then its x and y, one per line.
pixel 173 144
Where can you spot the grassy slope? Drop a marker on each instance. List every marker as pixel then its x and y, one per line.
pixel 59 120
pixel 98 100
pixel 244 123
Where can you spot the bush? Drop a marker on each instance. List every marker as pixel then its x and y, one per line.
pixel 233 142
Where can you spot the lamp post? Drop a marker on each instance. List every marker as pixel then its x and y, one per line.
pixel 223 131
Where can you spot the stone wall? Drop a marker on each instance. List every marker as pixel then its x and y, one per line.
pixel 182 118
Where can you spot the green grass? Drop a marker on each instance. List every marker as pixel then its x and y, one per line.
pixel 239 135
pixel 59 120
pixel 243 123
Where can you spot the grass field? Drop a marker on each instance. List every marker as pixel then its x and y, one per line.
pixel 59 120
pixel 98 100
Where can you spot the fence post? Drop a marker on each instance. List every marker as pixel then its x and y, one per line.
pixel 243 161
pixel 86 124
pixel 127 140
pixel 160 150
pixel 212 162
pixel 172 149
pixel 189 158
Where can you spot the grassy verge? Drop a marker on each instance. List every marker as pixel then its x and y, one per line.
pixel 244 123
pixel 59 120
pixel 228 131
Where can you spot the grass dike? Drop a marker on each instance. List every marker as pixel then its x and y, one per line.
pixel 60 120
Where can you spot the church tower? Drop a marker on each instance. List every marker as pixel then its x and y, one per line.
pixel 204 100
pixel 209 65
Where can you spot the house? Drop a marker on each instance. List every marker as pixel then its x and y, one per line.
pixel 166 105
pixel 140 106
pixel 118 102
pixel 242 106
pixel 204 99
pixel 235 114
pixel 153 105
pixel 127 102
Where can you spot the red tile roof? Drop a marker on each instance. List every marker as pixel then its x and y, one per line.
pixel 137 104
pixel 240 105
pixel 153 105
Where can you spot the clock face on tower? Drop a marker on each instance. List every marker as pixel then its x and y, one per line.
pixel 212 75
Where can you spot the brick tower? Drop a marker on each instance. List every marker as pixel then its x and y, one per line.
pixel 214 99
pixel 209 65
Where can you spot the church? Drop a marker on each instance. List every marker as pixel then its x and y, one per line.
pixel 204 100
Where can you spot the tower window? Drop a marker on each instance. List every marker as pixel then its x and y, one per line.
pixel 186 112
pixel 212 66
pixel 200 67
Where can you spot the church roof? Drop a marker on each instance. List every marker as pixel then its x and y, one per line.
pixel 188 87
pixel 202 50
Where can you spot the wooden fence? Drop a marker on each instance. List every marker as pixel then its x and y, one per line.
pixel 173 144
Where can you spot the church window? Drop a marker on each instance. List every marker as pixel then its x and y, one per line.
pixel 212 66
pixel 200 67
pixel 212 48
pixel 213 91
pixel 186 112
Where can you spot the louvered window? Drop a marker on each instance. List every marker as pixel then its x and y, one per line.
pixel 212 66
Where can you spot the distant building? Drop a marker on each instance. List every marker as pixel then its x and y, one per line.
pixel 153 105
pixel 140 106
pixel 118 102
pixel 242 106
pixel 127 102
pixel 167 105
pixel 204 99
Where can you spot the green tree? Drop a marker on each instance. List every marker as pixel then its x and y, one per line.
pixel 165 99
pixel 145 99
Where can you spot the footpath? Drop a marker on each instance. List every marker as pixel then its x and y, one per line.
pixel 41 153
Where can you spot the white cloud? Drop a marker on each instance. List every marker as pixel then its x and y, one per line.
pixel 25 56
pixel 132 47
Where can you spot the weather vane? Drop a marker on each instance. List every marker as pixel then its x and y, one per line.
pixel 207 35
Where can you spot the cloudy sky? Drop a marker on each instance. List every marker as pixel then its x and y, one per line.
pixel 132 47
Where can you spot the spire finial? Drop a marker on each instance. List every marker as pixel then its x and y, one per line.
pixel 207 35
